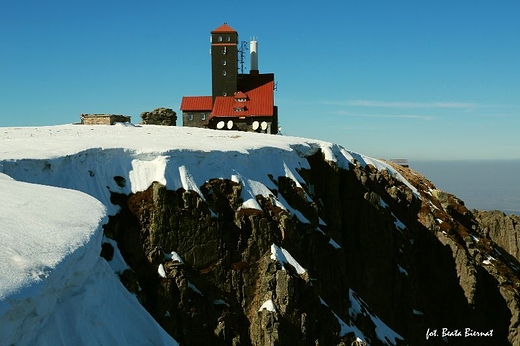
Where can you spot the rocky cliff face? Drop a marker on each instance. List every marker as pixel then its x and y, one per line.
pixel 358 247
pixel 501 228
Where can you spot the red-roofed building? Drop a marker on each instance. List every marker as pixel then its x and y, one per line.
pixel 239 101
pixel 196 110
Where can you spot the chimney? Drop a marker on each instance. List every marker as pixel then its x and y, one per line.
pixel 253 49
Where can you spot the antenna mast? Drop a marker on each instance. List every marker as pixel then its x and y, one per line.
pixel 241 55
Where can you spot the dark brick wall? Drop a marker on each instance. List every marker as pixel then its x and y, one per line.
pixel 195 119
pixel 224 64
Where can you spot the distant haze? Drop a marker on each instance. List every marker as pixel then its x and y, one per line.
pixel 483 185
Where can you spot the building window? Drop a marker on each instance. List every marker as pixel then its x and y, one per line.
pixel 224 73
pixel 224 93
pixel 228 38
pixel 224 50
pixel 203 116
pixel 224 62
pixel 190 116
pixel 220 38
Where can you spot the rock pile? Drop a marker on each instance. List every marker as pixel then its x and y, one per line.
pixel 160 116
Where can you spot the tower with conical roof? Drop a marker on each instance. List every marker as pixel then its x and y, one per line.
pixel 224 61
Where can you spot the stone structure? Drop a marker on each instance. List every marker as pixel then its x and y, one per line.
pixel 103 119
pixel 159 116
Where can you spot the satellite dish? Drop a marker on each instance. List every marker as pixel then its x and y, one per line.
pixel 255 125
pixel 264 126
pixel 230 124
pixel 221 125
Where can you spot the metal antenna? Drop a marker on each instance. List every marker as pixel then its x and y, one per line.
pixel 241 55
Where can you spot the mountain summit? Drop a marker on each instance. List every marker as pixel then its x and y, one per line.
pixel 237 238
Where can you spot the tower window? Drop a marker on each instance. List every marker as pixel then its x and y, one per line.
pixel 228 38
pixel 224 73
pixel 224 50
pixel 220 38
pixel 224 62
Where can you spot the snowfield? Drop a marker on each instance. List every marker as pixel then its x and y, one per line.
pixel 55 185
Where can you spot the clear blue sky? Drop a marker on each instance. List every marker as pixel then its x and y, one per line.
pixel 413 79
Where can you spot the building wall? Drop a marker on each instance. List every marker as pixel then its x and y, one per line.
pixel 195 119
pixel 246 124
pixel 224 64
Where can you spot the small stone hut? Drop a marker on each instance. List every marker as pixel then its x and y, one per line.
pixel 103 119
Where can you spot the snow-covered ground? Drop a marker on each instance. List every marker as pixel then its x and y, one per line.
pixel 55 185
pixel 55 289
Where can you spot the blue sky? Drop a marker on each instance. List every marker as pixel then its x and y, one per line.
pixel 420 80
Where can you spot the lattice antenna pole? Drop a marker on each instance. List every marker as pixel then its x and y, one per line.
pixel 241 55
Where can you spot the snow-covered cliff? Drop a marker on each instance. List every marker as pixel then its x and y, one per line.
pixel 99 161
pixel 231 238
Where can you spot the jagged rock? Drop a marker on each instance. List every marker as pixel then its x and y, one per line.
pixel 160 116
pixel 419 259
pixel 503 229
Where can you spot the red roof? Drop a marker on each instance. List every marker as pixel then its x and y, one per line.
pixel 196 103
pixel 260 102
pixel 240 95
pixel 223 28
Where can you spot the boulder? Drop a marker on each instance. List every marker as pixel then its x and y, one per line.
pixel 159 116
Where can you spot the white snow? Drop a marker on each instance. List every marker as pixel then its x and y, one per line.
pixel 402 270
pixel 380 165
pixel 283 256
pixel 488 260
pixel 383 332
pixel 55 289
pixel 345 328
pixel 50 270
pixel 195 289
pixel 161 271
pixel 174 256
pixel 117 263
pixel 268 305
pixel 220 302
pixel 87 158
pixel 334 244
pixel 398 224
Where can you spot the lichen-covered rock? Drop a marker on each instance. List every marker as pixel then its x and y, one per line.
pixel 160 116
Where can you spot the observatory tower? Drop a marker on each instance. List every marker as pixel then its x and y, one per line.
pixel 224 63
pixel 238 101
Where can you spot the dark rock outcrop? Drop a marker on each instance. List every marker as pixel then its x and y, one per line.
pixel 160 116
pixel 503 229
pixel 211 272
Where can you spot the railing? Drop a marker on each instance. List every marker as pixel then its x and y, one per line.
pixel 400 162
